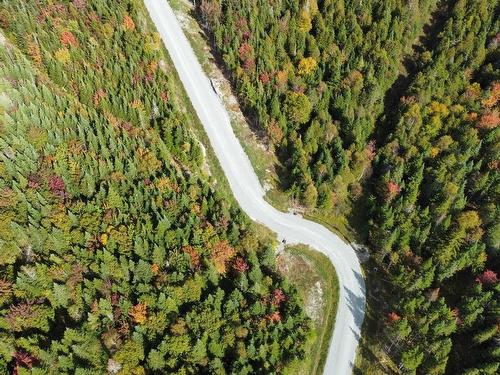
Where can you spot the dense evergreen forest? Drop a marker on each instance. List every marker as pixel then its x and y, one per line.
pixel 337 87
pixel 435 220
pixel 118 255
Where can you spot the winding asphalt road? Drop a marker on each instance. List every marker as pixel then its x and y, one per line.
pixel 249 192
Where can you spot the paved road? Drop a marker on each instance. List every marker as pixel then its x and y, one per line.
pixel 249 193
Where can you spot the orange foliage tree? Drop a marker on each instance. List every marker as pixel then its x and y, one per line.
pixel 222 252
pixel 138 313
pixel 193 256
pixel 128 23
pixel 393 189
pixel 68 39
pixel 489 120
pixel 34 52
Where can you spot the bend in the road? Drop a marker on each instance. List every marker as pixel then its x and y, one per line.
pixel 250 194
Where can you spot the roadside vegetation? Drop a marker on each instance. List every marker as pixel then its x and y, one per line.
pixel 119 254
pixel 314 277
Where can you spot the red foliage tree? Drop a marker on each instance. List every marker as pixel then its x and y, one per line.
pixel 264 78
pixel 487 277
pixel 249 64
pixel 456 314
pixel 115 299
pixel 371 150
pixel 274 317
pixel 20 312
pixel 5 287
pixel 59 10
pixel 164 96
pixel 4 20
pixel 128 23
pixel 494 164
pixel 34 52
pixel 56 186
pixel 393 317
pixel 80 4
pixel 23 359
pixel 33 181
pixel 240 265
pixel 245 51
pixel 274 131
pixel 278 297
pixel 222 252
pixel 211 11
pixel 242 25
pixel 99 94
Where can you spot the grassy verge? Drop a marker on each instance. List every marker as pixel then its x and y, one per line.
pixel 374 349
pixel 311 272
pixel 332 219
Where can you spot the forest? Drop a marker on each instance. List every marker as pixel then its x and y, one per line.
pixel 119 254
pixel 313 74
pixel 407 92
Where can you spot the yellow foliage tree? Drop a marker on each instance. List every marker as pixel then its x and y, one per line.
pixel 439 109
pixel 148 162
pixel 305 24
pixel 62 55
pixel 313 7
pixel 307 65
pixel 104 238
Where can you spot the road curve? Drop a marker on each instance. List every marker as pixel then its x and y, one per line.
pixel 250 194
